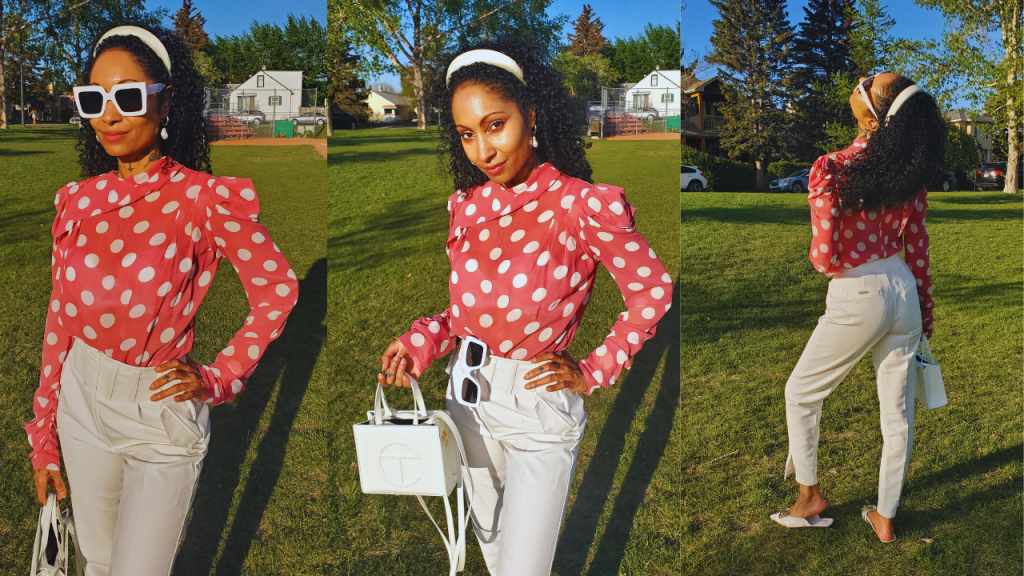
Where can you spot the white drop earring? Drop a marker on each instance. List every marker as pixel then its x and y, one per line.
pixel 163 131
pixel 534 132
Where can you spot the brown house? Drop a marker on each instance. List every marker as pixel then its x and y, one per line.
pixel 701 121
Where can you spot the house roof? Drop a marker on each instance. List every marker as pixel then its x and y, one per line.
pixel 957 115
pixel 691 84
pixel 393 98
pixel 672 76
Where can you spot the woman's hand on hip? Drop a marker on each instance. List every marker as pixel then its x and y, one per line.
pixel 394 363
pixel 190 384
pixel 51 477
pixel 564 373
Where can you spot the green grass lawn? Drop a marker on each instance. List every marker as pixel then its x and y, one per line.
pixel 269 445
pixel 750 300
pixel 388 227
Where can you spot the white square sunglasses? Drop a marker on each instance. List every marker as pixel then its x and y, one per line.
pixel 472 356
pixel 129 98
pixel 864 85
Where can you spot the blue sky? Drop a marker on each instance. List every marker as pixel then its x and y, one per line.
pixel 912 21
pixel 620 19
pixel 233 18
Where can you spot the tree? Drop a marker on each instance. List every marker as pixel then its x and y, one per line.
pixel 978 59
pixel 821 49
pixel 408 37
pixel 871 41
pixel 588 39
pixel 637 56
pixel 26 14
pixel 190 26
pixel 751 45
pixel 27 78
pixel 348 90
pixel 585 75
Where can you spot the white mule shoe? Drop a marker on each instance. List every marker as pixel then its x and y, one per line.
pixel 864 514
pixel 793 522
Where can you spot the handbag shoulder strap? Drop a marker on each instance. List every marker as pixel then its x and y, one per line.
pixel 454 544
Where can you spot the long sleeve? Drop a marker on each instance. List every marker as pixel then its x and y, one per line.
pixel 609 235
pixel 42 430
pixel 231 210
pixel 824 217
pixel 916 244
pixel 429 339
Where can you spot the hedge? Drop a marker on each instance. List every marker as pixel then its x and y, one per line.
pixel 723 175
pixel 784 168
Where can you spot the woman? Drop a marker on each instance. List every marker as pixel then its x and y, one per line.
pixel 136 245
pixel 868 203
pixel 527 229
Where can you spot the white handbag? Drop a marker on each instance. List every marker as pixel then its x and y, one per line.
pixel 928 387
pixel 50 551
pixel 417 453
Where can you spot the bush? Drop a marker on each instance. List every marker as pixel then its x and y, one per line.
pixel 962 156
pixel 723 175
pixel 784 168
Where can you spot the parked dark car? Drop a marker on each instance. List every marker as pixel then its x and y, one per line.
pixel 341 119
pixel 944 180
pixel 795 182
pixel 992 176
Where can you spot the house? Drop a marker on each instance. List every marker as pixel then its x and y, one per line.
pixel 388 107
pixel 276 93
pixel 659 90
pixel 980 127
pixel 702 122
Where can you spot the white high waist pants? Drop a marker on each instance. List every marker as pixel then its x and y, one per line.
pixel 521 446
pixel 132 464
pixel 871 307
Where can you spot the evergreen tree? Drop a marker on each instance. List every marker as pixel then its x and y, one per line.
pixel 190 26
pixel 348 90
pixel 751 44
pixel 871 43
pixel 635 57
pixel 588 39
pixel 821 50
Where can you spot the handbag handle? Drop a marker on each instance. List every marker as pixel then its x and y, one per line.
pixel 925 347
pixel 381 410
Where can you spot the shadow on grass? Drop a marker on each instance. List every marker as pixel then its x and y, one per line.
pixel 745 215
pixel 35 135
pixel 29 225
pixel 4 152
pixel 363 249
pixel 946 215
pixel 982 199
pixel 582 522
pixel 292 358
pixel 382 157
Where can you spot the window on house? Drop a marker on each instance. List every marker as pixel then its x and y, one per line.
pixel 654 79
pixel 668 97
pixel 389 111
pixel 273 100
pixel 259 81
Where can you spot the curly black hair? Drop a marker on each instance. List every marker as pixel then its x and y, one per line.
pixel 557 120
pixel 901 156
pixel 187 143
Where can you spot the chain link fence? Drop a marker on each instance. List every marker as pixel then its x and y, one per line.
pixel 634 111
pixel 265 113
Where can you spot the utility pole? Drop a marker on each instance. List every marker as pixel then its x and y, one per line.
pixel 21 60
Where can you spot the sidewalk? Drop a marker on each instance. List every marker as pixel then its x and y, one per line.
pixel 319 144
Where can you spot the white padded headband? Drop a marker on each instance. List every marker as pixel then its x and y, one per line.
pixel 901 99
pixel 147 37
pixel 491 57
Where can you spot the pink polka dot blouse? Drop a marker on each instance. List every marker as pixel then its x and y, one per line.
pixel 847 238
pixel 523 266
pixel 132 260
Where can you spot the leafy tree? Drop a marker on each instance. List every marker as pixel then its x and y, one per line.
pixel 979 60
pixel 301 44
pixel 637 56
pixel 751 45
pixel 16 17
pixel 27 77
pixel 408 37
pixel 588 39
pixel 585 75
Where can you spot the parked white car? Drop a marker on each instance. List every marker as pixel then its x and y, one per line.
pixel 692 179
